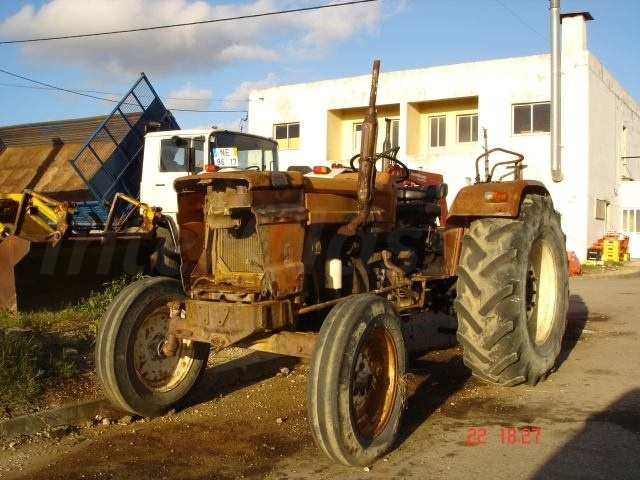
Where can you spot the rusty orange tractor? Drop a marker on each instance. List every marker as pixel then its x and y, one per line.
pixel 333 268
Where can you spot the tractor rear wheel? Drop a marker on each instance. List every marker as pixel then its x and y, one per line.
pixel 356 389
pixel 512 294
pixel 134 373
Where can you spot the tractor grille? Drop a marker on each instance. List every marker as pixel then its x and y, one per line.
pixel 241 253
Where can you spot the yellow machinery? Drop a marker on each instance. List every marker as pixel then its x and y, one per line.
pixel 38 243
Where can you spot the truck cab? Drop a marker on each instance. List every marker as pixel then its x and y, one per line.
pixel 169 155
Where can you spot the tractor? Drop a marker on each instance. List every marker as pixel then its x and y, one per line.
pixel 333 267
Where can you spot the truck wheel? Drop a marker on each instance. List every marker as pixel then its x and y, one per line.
pixel 512 294
pixel 356 389
pixel 134 374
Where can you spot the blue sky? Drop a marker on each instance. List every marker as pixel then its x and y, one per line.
pixel 211 67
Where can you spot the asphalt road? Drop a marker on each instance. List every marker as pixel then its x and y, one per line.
pixel 583 422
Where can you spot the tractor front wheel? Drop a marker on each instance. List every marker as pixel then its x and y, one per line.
pixel 133 371
pixel 356 389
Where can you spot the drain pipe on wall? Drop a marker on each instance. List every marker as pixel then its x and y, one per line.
pixel 556 169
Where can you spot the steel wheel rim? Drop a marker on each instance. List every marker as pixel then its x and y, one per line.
pixel 373 384
pixel 541 304
pixel 153 369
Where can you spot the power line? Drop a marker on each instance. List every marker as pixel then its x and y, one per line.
pixel 89 95
pixel 118 95
pixel 205 111
pixel 240 17
pixel 104 99
pixel 523 21
pixel 56 88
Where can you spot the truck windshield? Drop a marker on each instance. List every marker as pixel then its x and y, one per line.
pixel 242 150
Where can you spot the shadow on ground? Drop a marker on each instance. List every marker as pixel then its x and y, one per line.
pixel 607 447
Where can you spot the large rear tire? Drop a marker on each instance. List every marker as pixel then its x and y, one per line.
pixel 132 370
pixel 356 390
pixel 512 294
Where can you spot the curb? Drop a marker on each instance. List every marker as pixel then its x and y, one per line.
pixel 252 366
pixel 629 273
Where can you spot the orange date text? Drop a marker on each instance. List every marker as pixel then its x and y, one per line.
pixel 504 435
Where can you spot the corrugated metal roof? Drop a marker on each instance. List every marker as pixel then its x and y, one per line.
pixel 46 133
pixel 43 168
pixel 36 156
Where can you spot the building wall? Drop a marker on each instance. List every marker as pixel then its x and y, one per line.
pixel 594 110
pixel 614 134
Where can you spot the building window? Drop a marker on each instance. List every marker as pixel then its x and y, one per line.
pixel 437 131
pixel 601 209
pixel 394 134
pixel 394 131
pixel 631 220
pixel 357 136
pixel 467 128
pixel 287 135
pixel 532 118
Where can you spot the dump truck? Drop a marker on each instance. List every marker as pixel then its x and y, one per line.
pixel 336 268
pixel 55 251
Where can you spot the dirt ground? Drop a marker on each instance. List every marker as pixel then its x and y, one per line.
pixel 263 420
pixel 246 430
pixel 84 385
pixel 249 431
pixel 580 423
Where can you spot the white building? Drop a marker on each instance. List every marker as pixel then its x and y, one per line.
pixel 438 117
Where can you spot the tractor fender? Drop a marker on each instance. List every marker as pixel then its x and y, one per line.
pixel 493 199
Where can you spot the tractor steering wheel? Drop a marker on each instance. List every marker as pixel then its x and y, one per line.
pixel 396 169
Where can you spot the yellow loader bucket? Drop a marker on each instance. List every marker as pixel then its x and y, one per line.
pixel 45 263
pixel 39 273
pixel 12 251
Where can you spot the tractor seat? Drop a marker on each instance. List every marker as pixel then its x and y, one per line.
pixel 300 168
pixel 421 201
pixel 426 193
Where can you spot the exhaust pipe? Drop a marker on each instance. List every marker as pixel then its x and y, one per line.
pixel 556 168
pixel 366 170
